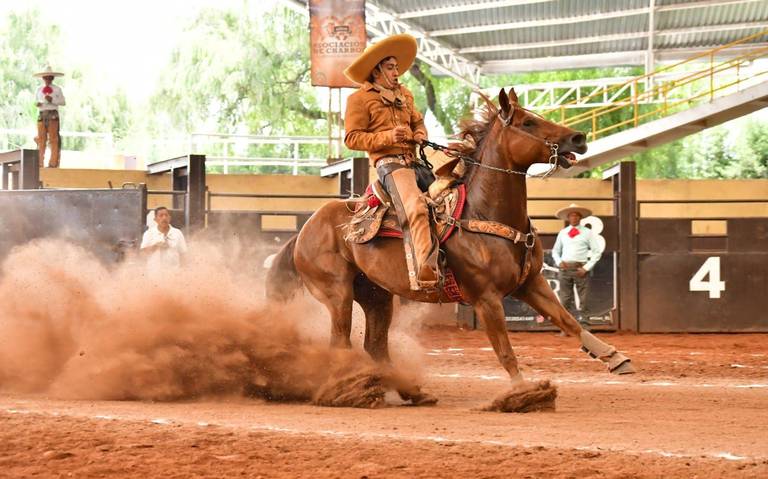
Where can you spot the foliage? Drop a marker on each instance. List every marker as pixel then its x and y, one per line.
pixel 236 71
pixel 246 71
pixel 447 98
pixel 89 108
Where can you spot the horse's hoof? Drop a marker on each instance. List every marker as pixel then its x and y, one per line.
pixel 624 368
pixel 423 399
pixel 526 397
pixel 417 398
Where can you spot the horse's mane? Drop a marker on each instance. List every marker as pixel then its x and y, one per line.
pixel 474 131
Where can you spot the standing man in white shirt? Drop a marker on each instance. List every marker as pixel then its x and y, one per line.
pixel 576 252
pixel 164 244
pixel 49 98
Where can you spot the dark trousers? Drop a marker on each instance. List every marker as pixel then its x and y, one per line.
pixel 568 279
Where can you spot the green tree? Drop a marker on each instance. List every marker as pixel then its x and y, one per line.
pixel 235 70
pixel 754 150
pixel 23 54
pixel 89 108
pixel 447 98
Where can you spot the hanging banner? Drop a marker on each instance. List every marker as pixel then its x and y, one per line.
pixel 337 37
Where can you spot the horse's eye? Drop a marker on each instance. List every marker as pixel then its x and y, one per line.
pixel 528 123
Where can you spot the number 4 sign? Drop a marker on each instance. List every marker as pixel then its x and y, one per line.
pixel 711 268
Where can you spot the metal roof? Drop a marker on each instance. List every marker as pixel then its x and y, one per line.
pixel 504 36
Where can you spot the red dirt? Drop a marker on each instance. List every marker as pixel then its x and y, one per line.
pixel 696 409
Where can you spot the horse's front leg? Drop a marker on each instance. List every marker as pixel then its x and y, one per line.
pixel 490 311
pixel 524 396
pixel 540 297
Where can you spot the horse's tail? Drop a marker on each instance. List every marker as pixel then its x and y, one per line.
pixel 282 278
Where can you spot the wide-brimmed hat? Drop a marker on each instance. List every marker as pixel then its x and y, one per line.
pixel 48 72
pixel 401 46
pixel 563 213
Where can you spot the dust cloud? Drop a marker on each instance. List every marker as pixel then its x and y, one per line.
pixel 72 327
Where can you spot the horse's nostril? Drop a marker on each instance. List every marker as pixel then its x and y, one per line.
pixel 579 139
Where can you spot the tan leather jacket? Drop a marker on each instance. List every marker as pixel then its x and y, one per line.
pixel 372 114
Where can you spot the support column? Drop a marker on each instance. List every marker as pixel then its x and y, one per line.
pixel 625 194
pixel 360 175
pixel 194 214
pixel 29 170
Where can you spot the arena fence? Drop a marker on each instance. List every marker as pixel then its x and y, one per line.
pixel 672 261
pixel 703 275
pixel 106 222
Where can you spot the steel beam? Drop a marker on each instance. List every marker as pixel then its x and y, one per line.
pixel 610 38
pixel 607 59
pixel 554 43
pixel 548 22
pixel 476 7
pixel 700 4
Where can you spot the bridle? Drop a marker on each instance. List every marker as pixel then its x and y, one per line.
pixel 507 122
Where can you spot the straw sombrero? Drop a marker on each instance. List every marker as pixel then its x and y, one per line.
pixel 48 72
pixel 401 46
pixel 563 213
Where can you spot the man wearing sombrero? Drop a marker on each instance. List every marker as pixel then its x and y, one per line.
pixel 381 119
pixel 576 252
pixel 49 98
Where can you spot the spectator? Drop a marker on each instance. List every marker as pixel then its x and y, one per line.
pixel 164 244
pixel 576 252
pixel 49 98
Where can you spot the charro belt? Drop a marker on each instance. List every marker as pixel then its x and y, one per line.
pixel 48 115
pixel 572 264
pixel 386 160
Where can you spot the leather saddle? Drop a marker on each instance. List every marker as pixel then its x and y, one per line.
pixel 374 216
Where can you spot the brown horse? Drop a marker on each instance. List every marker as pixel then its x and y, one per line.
pixel 487 267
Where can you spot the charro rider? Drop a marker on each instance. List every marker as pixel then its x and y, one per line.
pixel 381 119
pixel 49 98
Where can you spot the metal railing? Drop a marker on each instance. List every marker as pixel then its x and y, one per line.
pixel 210 195
pixel 671 89
pixel 592 93
pixel 230 150
pixel 25 138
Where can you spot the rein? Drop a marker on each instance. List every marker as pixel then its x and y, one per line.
pixel 492 227
pixel 453 153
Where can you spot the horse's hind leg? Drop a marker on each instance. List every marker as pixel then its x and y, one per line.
pixel 335 291
pixel 377 306
pixel 540 297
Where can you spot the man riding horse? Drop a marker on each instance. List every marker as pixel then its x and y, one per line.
pixel 494 253
pixel 382 120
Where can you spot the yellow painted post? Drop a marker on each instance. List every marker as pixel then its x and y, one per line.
pixel 711 76
pixel 594 126
pixel 562 113
pixel 634 100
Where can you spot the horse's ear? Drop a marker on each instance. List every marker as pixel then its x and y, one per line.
pixel 504 103
pixel 512 96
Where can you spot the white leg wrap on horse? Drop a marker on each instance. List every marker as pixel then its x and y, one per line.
pixel 517 379
pixel 602 351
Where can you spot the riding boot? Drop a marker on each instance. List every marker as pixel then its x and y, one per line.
pixel 421 252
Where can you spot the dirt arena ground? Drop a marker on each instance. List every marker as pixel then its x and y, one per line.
pixel 698 408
